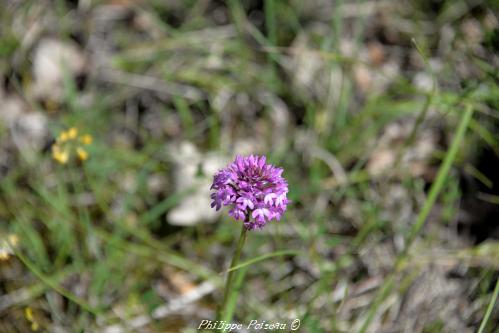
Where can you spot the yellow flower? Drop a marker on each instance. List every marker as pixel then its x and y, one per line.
pixel 13 239
pixel 69 144
pixel 28 314
pixel 86 139
pixel 4 255
pixel 82 153
pixel 59 155
pixel 6 246
pixel 73 133
pixel 63 137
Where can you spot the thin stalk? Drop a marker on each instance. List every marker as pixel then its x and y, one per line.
pixel 442 175
pixel 230 292
pixel 489 308
pixel 232 298
pixel 270 23
pixel 424 111
pixel 54 284
pixel 435 190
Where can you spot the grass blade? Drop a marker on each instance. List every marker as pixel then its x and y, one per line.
pixel 493 300
pixel 435 190
pixel 263 257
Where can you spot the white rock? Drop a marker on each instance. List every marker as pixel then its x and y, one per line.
pixel 423 82
pixel 50 61
pixel 28 128
pixel 195 207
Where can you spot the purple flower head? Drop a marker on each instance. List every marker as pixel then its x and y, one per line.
pixel 254 191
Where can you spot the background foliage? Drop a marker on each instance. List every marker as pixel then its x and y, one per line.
pixel 361 102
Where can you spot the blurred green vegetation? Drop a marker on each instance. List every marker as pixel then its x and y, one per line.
pixel 95 245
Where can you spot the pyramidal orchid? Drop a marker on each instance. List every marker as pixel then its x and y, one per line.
pixel 255 191
pixel 256 194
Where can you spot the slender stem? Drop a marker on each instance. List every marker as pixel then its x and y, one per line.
pixel 237 285
pixel 489 308
pixel 435 190
pixel 230 292
pixel 53 283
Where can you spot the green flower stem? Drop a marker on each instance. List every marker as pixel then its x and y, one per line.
pixel 230 293
pixel 236 288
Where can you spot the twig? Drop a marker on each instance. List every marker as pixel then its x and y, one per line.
pixel 23 295
pixel 175 305
pixel 332 162
pixel 149 83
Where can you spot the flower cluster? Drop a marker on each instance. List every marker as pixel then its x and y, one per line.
pixel 68 142
pixel 255 191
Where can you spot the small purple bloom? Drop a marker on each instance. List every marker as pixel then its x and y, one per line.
pixel 255 191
